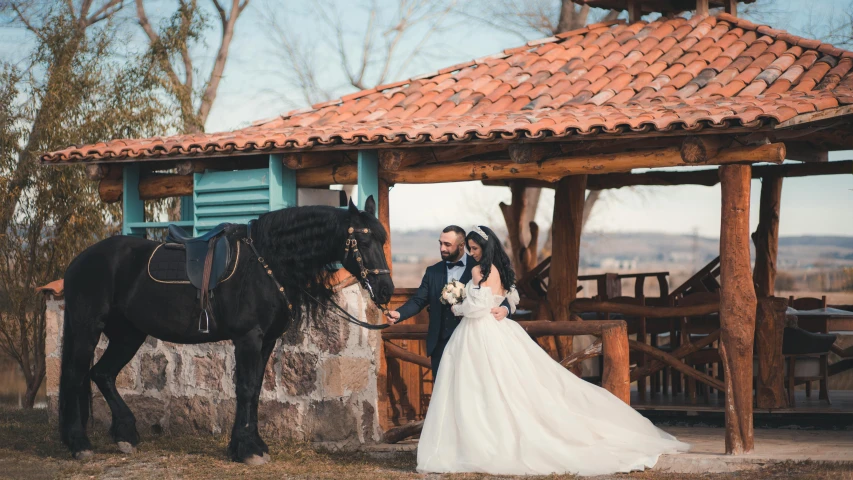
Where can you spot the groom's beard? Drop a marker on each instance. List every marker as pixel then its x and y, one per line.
pixel 453 256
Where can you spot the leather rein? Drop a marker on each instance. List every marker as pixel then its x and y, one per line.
pixel 351 247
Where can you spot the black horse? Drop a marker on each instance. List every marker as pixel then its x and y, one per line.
pixel 108 289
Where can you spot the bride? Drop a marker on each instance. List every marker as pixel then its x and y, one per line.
pixel 501 405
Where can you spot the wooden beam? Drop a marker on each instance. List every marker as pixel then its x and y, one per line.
pixel 565 256
pixel 185 167
pixel 648 311
pixel 328 175
pixel 529 153
pixel 534 328
pixel 401 158
pixel 766 237
pixel 702 7
pixel 635 10
pixel 701 149
pixel 556 168
pixel 737 307
pixel 591 351
pixel 296 161
pixel 398 434
pixel 97 171
pixel 679 353
pixel 675 363
pixel 769 330
pixel 393 351
pixel 705 177
pixel 805 152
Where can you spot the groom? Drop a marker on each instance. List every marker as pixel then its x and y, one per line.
pixel 455 264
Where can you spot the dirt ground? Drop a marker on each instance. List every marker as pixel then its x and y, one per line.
pixel 29 449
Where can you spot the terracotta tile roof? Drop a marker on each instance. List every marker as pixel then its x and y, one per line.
pixel 607 78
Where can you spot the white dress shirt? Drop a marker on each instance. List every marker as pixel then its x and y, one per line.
pixel 455 273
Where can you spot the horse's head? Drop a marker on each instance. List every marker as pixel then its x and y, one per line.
pixel 364 254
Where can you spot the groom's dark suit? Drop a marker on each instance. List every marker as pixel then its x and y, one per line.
pixel 442 322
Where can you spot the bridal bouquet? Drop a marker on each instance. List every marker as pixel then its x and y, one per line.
pixel 453 293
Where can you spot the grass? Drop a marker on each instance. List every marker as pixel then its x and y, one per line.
pixel 29 448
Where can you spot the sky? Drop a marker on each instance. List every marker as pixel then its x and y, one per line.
pixel 255 87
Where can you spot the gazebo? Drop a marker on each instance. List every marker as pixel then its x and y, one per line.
pixel 576 111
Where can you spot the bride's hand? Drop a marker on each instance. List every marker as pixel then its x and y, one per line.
pixel 499 313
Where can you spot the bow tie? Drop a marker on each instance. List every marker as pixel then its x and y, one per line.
pixel 452 264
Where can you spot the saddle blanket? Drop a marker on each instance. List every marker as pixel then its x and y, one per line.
pixel 168 264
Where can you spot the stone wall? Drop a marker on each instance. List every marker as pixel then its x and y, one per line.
pixel 320 384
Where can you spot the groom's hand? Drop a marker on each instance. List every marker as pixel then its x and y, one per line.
pixel 393 316
pixel 500 313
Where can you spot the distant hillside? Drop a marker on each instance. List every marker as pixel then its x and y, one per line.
pixel 656 248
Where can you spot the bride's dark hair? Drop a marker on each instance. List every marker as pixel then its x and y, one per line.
pixel 493 254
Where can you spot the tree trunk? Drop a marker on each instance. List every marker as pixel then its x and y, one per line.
pixel 522 232
pixel 571 19
pixel 737 307
pixel 565 259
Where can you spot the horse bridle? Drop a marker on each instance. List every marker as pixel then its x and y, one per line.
pixel 351 246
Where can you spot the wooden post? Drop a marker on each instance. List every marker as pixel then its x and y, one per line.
pixel 368 176
pixel 731 7
pixel 385 218
pixel 766 237
pixel 737 307
pixel 769 330
pixel 635 10
pixel 702 7
pixel 283 191
pixel 616 376
pixel 565 257
pixel 132 207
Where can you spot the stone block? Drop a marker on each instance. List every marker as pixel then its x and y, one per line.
pixel 329 334
pixel 153 371
pixel 150 413
pixel 280 420
pixel 298 372
pixel 330 420
pixel 345 376
pixel 269 374
pixel 368 411
pixel 209 372
pixel 190 415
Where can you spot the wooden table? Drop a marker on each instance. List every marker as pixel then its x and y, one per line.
pixel 823 320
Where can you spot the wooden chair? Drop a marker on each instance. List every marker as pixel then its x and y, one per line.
pixel 812 325
pixel 807 360
pixel 707 359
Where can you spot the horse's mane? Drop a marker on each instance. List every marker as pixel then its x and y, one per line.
pixel 299 244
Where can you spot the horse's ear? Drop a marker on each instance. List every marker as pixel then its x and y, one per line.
pixel 370 206
pixel 352 208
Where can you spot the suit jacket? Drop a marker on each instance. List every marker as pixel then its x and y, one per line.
pixel 442 322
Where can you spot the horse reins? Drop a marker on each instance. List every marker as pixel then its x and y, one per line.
pixel 351 245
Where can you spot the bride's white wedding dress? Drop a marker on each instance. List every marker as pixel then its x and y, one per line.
pixel 501 405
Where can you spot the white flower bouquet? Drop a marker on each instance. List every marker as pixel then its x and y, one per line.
pixel 453 293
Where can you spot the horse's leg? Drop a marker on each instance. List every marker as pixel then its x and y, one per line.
pixel 247 352
pixel 125 340
pixel 80 337
pixel 266 351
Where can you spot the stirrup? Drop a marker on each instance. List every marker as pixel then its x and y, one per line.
pixel 204 315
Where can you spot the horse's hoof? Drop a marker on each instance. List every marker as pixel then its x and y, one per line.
pixel 255 460
pixel 84 455
pixel 126 448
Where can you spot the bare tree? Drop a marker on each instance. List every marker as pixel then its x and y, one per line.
pixel 381 50
pixel 170 52
pixel 70 91
pixel 534 18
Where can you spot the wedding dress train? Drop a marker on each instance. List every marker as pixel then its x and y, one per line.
pixel 501 405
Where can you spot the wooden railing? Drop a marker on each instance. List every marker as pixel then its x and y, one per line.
pixel 613 334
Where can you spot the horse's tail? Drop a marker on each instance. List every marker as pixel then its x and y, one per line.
pixel 81 332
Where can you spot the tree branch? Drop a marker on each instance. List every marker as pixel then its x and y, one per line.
pixel 104 12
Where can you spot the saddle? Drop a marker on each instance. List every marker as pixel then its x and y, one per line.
pixel 206 261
